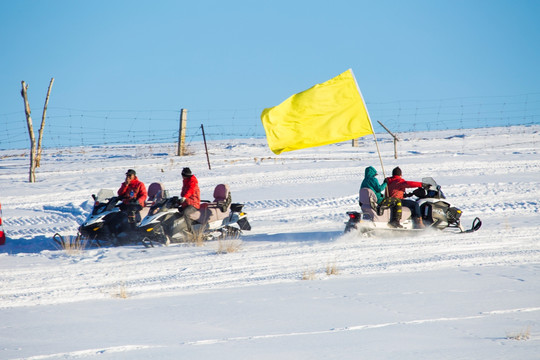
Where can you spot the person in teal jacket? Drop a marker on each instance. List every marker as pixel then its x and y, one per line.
pixel 370 181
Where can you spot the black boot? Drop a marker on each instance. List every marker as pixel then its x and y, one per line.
pixel 396 217
pixel 395 224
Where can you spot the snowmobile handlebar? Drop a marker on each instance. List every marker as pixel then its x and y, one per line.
pixel 418 192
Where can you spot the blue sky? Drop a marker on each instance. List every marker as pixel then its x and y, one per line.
pixel 113 57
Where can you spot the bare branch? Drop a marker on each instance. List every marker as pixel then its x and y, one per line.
pixel 38 156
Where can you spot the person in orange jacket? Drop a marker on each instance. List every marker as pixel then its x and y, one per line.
pixel 396 188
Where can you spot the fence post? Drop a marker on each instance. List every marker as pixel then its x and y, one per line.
pixel 396 139
pixel 206 148
pixel 182 133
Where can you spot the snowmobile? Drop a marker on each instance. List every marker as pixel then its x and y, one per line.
pixel 165 223
pixel 436 212
pixel 112 222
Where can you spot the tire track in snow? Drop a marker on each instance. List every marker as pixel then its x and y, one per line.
pixel 42 222
pixel 361 327
pixel 181 269
pixel 122 350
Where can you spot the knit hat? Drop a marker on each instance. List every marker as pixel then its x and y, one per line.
pixel 186 172
pixel 396 171
pixel 131 172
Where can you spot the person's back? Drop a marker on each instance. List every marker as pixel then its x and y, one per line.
pixel 370 181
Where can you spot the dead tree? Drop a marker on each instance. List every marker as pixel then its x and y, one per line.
pixel 35 157
pixel 38 156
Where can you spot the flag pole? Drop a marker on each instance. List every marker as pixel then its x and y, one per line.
pixel 370 124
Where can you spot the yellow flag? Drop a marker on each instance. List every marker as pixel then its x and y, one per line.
pixel 326 113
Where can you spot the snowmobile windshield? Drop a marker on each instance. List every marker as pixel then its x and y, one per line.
pixel 163 205
pixel 430 181
pixel 104 195
pixel 104 201
pixel 434 190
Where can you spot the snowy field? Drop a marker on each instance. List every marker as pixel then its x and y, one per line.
pixel 296 288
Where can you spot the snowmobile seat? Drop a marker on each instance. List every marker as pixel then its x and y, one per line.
pixel 369 206
pixel 156 192
pixel 218 209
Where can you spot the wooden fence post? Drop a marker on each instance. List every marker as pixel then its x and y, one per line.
pixel 182 133
pixel 396 139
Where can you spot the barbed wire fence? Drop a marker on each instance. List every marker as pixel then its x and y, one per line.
pixel 68 127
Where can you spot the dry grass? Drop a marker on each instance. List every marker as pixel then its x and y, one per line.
pixel 187 151
pixel 309 275
pixel 196 237
pixel 524 334
pixel 118 291
pixel 121 292
pixel 229 242
pixel 72 245
pixel 229 246
pixel 331 269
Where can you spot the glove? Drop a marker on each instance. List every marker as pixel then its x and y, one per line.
pixel 385 181
pixel 419 193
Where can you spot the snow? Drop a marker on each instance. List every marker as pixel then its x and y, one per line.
pixel 438 295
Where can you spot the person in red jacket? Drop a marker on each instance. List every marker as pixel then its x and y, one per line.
pixel 396 188
pixel 132 189
pixel 190 200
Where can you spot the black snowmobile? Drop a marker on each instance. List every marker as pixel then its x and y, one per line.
pixel 165 224
pixel 112 222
